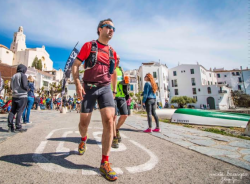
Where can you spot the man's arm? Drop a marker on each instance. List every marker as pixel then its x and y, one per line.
pixel 114 82
pixel 75 72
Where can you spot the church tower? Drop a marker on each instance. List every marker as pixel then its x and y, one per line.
pixel 19 41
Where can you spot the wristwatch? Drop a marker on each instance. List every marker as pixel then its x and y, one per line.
pixel 114 92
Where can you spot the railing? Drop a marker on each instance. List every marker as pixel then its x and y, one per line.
pixel 222 91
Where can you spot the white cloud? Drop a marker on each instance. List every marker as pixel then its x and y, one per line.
pixel 183 38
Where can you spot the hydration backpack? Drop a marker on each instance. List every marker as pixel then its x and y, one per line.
pixel 91 61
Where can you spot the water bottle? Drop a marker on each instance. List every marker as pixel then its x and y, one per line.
pixel 111 66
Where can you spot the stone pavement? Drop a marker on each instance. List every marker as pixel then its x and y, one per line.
pixel 229 149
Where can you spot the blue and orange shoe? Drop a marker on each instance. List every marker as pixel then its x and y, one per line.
pixel 82 147
pixel 109 173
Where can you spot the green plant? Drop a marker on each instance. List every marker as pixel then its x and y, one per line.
pixel 182 100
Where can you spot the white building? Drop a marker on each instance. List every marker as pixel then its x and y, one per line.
pixel 235 79
pixel 160 74
pixel 133 80
pixel 20 54
pixel 23 55
pixel 201 84
pixel 6 55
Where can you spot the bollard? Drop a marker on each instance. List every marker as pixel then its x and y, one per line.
pixel 38 108
pixel 247 130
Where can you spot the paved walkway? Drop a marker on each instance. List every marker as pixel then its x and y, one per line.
pixel 229 149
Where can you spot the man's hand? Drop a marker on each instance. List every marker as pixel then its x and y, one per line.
pixel 80 91
pixel 114 95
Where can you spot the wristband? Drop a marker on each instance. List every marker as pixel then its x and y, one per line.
pixel 114 92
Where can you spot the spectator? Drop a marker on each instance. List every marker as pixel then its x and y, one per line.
pixel 166 104
pixel 149 99
pixel 128 105
pixel 29 105
pixel 37 100
pixel 19 86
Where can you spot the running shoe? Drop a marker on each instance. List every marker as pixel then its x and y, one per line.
pixel 157 130
pixel 109 173
pixel 115 143
pixel 118 136
pixel 20 130
pixel 82 147
pixel 149 130
pixel 11 129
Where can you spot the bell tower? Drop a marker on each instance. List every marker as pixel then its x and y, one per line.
pixel 19 41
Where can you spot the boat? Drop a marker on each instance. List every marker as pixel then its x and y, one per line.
pixel 205 117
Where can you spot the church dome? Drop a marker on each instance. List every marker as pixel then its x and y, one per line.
pixel 4 46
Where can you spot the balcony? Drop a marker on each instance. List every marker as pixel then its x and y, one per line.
pixel 222 91
pixel 221 83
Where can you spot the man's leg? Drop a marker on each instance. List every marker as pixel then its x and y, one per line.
pixel 84 123
pixel 21 104
pixel 107 109
pixel 12 114
pixel 107 135
pixel 122 106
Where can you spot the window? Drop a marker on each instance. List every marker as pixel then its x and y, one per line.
pixel 199 89
pixel 45 83
pixel 174 73
pixel 218 75
pixel 233 73
pixel 131 87
pixel 208 82
pixel 209 74
pixel 195 97
pixel 154 75
pixel 194 91
pixel 176 92
pixel 193 81
pixel 240 79
pixel 225 75
pixel 174 83
pixel 209 90
pixel 163 77
pixel 237 73
pixel 239 87
pixel 192 71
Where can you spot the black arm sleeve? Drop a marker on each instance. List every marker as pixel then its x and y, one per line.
pixel 24 82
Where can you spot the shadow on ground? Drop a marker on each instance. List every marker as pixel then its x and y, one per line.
pixel 72 139
pixel 29 159
pixel 129 130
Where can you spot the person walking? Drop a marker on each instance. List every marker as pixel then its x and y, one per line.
pixel 100 60
pixel 128 105
pixel 121 105
pixel 30 102
pixel 19 86
pixel 149 100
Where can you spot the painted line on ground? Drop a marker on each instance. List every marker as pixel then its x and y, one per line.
pixel 146 166
pixel 60 148
pixel 98 139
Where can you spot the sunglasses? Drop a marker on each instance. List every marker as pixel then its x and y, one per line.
pixel 108 26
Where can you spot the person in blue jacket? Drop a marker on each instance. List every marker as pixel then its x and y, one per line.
pixel 30 102
pixel 149 100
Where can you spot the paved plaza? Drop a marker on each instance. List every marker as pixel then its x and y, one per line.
pixel 47 153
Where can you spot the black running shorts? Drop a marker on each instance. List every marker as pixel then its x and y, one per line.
pixel 103 95
pixel 121 104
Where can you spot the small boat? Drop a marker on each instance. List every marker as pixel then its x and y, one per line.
pixel 204 117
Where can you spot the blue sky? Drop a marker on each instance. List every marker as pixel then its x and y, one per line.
pixel 213 33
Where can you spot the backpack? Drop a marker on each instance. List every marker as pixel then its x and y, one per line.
pixel 91 61
pixel 125 85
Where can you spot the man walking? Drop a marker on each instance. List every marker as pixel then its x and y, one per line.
pixel 121 105
pixel 19 86
pixel 99 65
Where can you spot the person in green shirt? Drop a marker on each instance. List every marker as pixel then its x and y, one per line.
pixel 121 105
